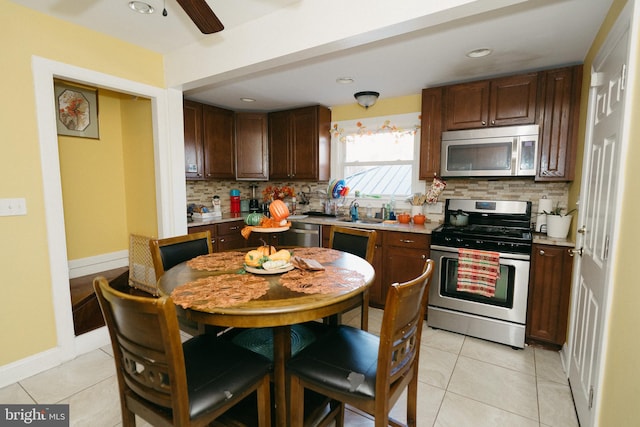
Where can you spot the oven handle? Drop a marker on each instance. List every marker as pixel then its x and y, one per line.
pixel 452 250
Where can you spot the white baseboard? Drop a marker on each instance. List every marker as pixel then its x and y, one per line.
pixel 40 362
pixel 95 264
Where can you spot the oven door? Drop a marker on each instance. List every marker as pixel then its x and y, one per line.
pixel 509 302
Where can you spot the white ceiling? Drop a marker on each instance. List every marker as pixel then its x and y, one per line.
pixel 532 35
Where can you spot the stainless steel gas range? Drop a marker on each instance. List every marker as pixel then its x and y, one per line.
pixel 496 232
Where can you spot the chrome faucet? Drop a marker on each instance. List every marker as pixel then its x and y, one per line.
pixel 304 198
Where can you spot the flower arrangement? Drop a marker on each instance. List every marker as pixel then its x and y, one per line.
pixel 273 192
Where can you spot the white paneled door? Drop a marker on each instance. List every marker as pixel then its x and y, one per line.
pixel 597 220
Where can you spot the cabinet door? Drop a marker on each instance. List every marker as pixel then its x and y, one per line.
pixel 229 236
pixel 404 257
pixel 304 144
pixel 559 124
pixel 193 148
pixel 219 142
pixel 467 105
pixel 430 133
pixel 279 141
pixel 549 289
pixel 202 228
pixel 251 147
pixel 513 100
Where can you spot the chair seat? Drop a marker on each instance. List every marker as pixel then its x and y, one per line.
pixel 344 360
pixel 217 370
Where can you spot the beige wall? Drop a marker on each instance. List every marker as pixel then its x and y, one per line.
pixel 24 259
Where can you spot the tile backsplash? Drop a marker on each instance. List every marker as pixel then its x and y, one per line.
pixel 202 192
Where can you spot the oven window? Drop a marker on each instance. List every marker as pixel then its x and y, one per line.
pixel 504 285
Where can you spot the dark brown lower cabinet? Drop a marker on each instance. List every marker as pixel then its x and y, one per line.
pixel 549 291
pixel 224 236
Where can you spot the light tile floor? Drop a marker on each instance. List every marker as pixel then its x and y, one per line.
pixel 463 382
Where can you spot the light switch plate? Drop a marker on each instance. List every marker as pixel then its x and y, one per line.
pixel 11 207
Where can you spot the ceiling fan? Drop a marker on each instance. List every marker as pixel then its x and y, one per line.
pixel 201 15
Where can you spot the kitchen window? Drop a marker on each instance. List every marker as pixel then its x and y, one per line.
pixel 379 156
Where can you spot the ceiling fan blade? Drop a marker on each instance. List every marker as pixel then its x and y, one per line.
pixel 202 15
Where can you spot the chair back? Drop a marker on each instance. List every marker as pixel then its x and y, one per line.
pixel 355 241
pixel 147 348
pixel 401 330
pixel 171 251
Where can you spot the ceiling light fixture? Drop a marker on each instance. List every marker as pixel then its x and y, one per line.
pixel 247 100
pixel 479 53
pixel 344 80
pixel 366 98
pixel 141 7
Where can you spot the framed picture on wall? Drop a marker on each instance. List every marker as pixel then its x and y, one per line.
pixel 76 110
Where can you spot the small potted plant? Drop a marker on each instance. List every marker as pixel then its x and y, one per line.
pixel 558 223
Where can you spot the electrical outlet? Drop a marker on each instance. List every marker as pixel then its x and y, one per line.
pixel 433 208
pixel 11 207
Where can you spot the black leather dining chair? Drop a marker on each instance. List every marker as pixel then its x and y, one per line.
pixel 171 251
pixel 354 367
pixel 168 383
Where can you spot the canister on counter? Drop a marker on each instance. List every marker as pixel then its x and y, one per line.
pixel 235 201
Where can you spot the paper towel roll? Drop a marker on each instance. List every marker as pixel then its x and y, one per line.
pixel 544 205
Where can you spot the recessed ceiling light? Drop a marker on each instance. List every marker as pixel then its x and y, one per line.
pixel 479 53
pixel 141 7
pixel 344 80
pixel 247 100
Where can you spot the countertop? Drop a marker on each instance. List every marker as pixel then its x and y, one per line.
pixel 427 228
pixel 409 228
pixel 543 239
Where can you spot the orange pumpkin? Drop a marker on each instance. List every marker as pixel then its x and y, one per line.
pixel 266 250
pixel 278 210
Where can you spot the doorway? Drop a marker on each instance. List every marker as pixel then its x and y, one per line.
pixel 166 107
pixel 600 204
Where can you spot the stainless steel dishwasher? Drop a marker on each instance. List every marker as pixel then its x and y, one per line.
pixel 302 234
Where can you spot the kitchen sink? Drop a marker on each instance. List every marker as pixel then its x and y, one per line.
pixel 362 220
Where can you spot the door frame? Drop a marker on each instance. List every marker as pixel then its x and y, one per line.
pixel 168 143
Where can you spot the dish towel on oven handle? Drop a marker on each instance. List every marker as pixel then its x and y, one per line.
pixel 478 271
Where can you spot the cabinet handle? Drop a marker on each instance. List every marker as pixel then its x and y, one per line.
pixel 222 240
pixel 484 123
pixel 541 252
pixel 407 241
pixel 234 228
pixel 493 122
pixel 424 256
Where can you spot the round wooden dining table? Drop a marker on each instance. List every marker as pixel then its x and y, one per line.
pixel 288 298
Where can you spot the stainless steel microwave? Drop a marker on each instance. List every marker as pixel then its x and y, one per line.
pixel 490 152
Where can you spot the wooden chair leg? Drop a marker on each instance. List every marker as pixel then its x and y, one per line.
pixel 364 312
pixel 264 403
pixel 412 401
pixel 296 408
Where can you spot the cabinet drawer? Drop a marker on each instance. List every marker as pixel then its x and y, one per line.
pixel 227 228
pixel 407 240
